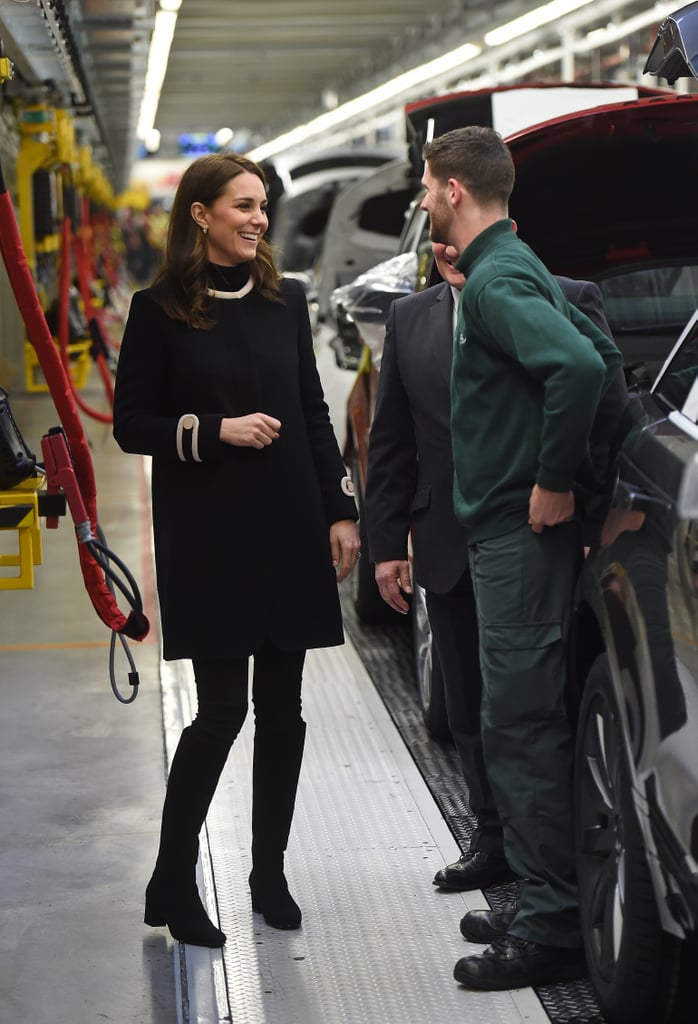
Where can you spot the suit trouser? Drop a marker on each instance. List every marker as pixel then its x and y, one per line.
pixel 524 585
pixel 455 635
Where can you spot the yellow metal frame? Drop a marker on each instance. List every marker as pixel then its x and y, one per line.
pixel 7 69
pixel 29 552
pixel 79 366
pixel 37 150
pixel 48 142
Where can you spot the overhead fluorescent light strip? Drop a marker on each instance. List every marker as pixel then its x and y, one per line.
pixel 158 57
pixel 532 20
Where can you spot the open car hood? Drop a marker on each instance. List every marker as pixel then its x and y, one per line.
pixel 614 186
pixel 508 109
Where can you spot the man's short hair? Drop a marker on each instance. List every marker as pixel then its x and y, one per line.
pixel 478 158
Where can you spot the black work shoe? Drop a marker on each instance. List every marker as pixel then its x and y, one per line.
pixel 511 962
pixel 486 925
pixel 474 870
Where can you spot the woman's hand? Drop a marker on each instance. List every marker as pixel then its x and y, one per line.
pixel 345 546
pixel 254 431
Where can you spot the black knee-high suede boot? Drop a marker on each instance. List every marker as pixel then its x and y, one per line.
pixel 172 896
pixel 276 768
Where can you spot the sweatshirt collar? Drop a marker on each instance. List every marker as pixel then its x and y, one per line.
pixel 499 232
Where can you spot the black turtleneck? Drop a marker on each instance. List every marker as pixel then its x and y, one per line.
pixel 227 279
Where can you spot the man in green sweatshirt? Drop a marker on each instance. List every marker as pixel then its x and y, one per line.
pixel 528 372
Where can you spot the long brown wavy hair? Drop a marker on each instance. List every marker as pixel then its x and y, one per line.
pixel 180 283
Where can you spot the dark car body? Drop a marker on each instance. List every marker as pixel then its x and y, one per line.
pixel 633 655
pixel 634 664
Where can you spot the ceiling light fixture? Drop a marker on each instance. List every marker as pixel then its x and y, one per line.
pixel 152 141
pixel 223 137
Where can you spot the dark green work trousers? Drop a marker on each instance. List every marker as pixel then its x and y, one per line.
pixel 524 585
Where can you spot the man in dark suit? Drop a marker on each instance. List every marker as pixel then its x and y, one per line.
pixel 410 487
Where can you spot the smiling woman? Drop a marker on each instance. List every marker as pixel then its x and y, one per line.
pixel 217 382
pixel 218 218
pixel 234 223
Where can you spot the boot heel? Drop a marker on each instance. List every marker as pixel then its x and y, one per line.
pixel 154 920
pixel 153 916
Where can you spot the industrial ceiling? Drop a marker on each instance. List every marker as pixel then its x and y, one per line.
pixel 256 68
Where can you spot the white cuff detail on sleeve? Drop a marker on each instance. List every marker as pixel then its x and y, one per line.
pixel 347 485
pixel 188 422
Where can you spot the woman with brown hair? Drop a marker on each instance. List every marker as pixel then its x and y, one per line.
pixel 253 516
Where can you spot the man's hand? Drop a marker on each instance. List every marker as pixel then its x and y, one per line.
pixel 394 578
pixel 548 508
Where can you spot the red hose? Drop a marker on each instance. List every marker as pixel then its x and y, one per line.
pixel 19 273
pixel 64 333
pixel 84 267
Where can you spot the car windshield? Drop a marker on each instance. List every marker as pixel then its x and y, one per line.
pixel 647 308
pixel 651 298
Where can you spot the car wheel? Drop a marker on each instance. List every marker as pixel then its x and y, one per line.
pixel 428 670
pixel 370 607
pixel 633 963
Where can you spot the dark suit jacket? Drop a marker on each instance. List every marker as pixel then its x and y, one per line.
pixel 410 466
pixel 410 463
pixel 605 430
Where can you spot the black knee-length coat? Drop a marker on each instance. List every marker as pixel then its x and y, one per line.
pixel 242 536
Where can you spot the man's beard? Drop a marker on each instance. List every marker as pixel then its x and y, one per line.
pixel 440 225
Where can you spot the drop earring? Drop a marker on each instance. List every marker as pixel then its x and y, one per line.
pixel 204 229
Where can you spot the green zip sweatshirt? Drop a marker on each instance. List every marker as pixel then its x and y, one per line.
pixel 528 372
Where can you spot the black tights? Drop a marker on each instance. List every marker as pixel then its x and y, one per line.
pixel 222 693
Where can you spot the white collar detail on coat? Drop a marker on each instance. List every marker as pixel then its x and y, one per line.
pixel 245 290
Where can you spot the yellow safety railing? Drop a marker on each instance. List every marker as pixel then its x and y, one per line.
pixel 19 512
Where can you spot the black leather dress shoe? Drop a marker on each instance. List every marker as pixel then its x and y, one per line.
pixel 474 870
pixel 486 925
pixel 511 962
